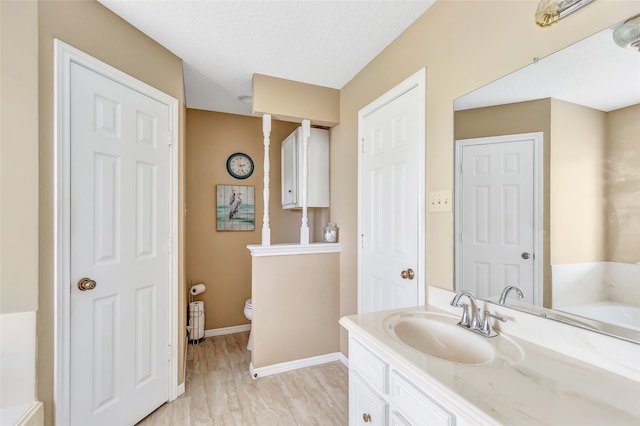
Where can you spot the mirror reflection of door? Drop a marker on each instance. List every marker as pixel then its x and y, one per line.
pixel 498 216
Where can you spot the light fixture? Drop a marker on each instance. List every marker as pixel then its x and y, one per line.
pixel 627 34
pixel 551 11
pixel 245 99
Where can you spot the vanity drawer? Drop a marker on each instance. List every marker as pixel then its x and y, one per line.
pixel 415 406
pixel 365 405
pixel 370 366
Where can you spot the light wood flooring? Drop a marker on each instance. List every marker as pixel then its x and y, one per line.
pixel 220 391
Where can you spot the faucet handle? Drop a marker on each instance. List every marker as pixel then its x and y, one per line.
pixel 464 319
pixel 486 328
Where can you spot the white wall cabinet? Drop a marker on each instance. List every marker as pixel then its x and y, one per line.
pixel 380 394
pixel 318 169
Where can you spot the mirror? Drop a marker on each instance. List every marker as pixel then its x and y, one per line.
pixel 585 101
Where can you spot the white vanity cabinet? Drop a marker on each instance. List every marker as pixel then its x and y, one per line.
pixel 380 394
pixel 317 173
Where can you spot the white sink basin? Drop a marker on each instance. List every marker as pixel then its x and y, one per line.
pixel 438 335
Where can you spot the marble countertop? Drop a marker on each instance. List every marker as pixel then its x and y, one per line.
pixel 542 387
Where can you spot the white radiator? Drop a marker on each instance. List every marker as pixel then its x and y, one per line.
pixel 196 320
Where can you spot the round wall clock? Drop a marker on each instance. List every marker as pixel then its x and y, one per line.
pixel 240 165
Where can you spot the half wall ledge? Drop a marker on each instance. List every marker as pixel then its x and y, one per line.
pixel 258 250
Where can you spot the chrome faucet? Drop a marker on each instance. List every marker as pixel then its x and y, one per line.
pixel 473 321
pixel 505 293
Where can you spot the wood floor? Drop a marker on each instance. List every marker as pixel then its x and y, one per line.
pixel 220 391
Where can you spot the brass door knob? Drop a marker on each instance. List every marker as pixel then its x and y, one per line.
pixel 408 274
pixel 86 284
pixel 366 417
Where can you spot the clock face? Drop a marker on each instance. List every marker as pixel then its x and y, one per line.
pixel 240 165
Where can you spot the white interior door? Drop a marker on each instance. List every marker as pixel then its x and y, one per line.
pixel 120 230
pixel 391 207
pixel 498 215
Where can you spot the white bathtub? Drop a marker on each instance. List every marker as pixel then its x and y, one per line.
pixel 610 312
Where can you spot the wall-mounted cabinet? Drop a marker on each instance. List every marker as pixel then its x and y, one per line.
pixel 318 169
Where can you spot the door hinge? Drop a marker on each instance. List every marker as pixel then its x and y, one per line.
pixel 169 245
pixel 362 145
pixel 169 353
pixel 170 138
pixel 361 240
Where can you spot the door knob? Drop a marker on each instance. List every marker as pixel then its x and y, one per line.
pixel 408 274
pixel 366 417
pixel 86 284
pixel 526 255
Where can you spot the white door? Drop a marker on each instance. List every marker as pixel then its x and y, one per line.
pixel 391 208
pixel 119 240
pixel 498 217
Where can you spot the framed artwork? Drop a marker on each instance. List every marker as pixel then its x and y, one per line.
pixel 235 208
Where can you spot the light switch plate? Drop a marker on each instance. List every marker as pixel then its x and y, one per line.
pixel 440 201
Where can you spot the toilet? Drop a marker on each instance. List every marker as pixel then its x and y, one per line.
pixel 248 313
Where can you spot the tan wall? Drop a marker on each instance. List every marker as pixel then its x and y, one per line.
pixel 92 28
pixel 18 157
pixel 293 101
pixel 577 185
pixel 523 117
pixel 295 307
pixel 221 259
pixel 463 45
pixel 622 177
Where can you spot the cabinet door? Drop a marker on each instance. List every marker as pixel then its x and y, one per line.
pixel 396 419
pixel 289 167
pixel 366 407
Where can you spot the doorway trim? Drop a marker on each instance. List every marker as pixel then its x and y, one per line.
pixel 537 139
pixel 64 56
pixel 416 80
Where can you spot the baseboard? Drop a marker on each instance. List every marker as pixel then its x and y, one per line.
pixel 181 389
pixel 34 416
pixel 227 330
pixel 293 365
pixel 343 359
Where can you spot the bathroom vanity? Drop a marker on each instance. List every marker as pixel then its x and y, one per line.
pixel 503 380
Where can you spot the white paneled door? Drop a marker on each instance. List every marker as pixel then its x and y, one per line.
pixel 390 186
pixel 497 215
pixel 120 246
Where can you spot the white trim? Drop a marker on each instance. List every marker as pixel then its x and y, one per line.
pixel 344 360
pixel 181 389
pixel 64 56
pixel 33 416
pixel 419 80
pixel 293 249
pixel 293 365
pixel 537 138
pixel 227 330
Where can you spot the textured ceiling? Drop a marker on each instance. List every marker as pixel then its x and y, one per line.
pixel 594 72
pixel 223 43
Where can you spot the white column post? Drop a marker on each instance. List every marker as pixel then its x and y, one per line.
pixel 266 132
pixel 304 228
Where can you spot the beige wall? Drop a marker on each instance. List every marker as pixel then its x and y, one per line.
pixel 295 307
pixel 577 185
pixel 92 28
pixel 293 101
pixel 221 259
pixel 18 157
pixel 523 117
pixel 622 177
pixel 463 45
